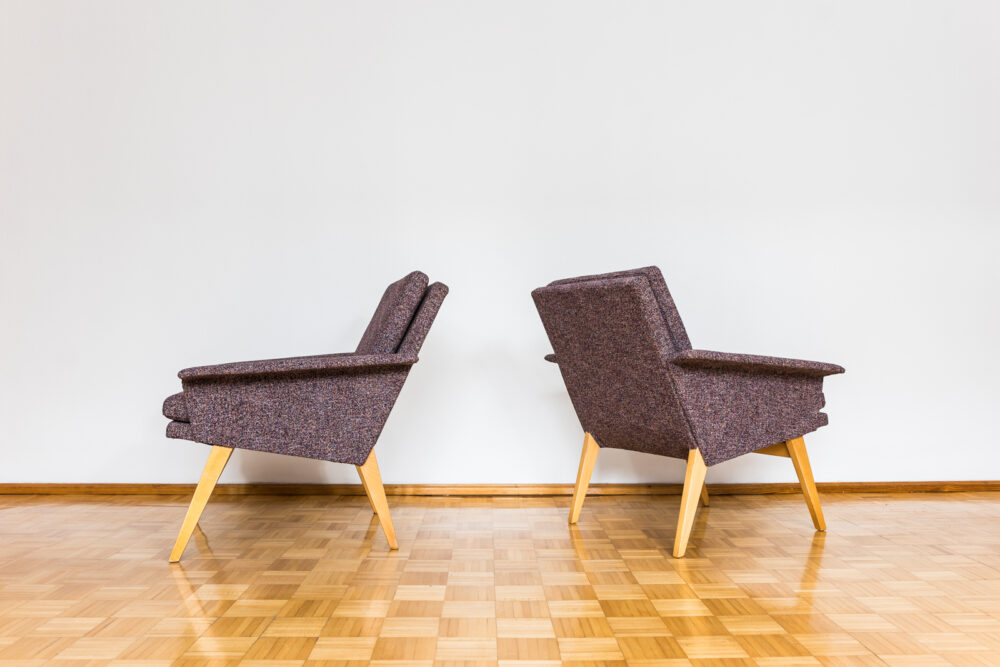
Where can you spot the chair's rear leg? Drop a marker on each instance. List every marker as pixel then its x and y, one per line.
pixel 694 480
pixel 797 452
pixel 217 460
pixel 588 457
pixel 371 479
pixel 704 495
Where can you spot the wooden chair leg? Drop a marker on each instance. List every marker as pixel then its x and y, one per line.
pixel 704 495
pixel 368 494
pixel 372 481
pixel 694 480
pixel 217 460
pixel 797 452
pixel 587 460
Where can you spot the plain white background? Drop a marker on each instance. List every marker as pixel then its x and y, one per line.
pixel 185 183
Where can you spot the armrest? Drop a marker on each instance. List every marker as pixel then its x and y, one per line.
pixel 551 357
pixel 754 363
pixel 323 362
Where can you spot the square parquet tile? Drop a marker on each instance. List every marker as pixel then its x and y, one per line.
pixel 307 581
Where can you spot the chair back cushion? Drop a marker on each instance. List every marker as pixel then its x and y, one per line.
pixel 394 314
pixel 422 321
pixel 671 318
pixel 612 345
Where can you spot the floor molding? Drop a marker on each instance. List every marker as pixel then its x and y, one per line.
pixel 494 489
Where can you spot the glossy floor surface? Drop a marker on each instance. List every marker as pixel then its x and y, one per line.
pixel 898 580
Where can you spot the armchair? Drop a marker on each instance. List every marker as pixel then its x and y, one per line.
pixel 328 407
pixel 636 384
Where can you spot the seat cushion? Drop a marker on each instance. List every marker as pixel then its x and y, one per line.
pixel 175 407
pixel 179 430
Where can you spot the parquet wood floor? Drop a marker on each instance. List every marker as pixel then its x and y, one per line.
pixel 908 579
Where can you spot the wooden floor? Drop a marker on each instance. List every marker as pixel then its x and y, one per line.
pixel 898 580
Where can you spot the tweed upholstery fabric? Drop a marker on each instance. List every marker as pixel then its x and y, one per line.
pixel 675 326
pixel 175 407
pixel 421 324
pixel 179 430
pixel 393 315
pixel 636 384
pixel 753 362
pixel 318 364
pixel 330 407
pixel 612 350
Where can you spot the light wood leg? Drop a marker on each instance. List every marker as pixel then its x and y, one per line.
pixel 217 460
pixel 780 449
pixel 587 460
pixel 368 494
pixel 797 452
pixel 704 495
pixel 372 481
pixel 694 480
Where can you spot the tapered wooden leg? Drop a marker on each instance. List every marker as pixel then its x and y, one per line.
pixel 372 481
pixel 217 460
pixel 587 460
pixel 694 480
pixel 797 452
pixel 704 495
pixel 368 494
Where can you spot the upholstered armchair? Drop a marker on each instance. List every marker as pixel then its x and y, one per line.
pixel 328 407
pixel 636 384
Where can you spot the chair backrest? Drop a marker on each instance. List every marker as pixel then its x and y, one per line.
pixel 393 315
pixel 422 321
pixel 612 344
pixel 671 318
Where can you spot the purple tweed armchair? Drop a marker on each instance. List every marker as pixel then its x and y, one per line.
pixel 328 407
pixel 636 384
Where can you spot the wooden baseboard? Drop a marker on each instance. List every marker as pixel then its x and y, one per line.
pixel 493 489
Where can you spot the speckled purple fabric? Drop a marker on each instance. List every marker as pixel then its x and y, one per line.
pixel 331 407
pixel 636 384
pixel 753 362
pixel 393 315
pixel 672 318
pixel 612 348
pixel 175 407
pixel 318 364
pixel 179 430
pixel 421 324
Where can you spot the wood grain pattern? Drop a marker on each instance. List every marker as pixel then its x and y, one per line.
pixel 905 579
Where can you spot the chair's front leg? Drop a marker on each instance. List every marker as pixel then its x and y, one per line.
pixel 368 495
pixel 588 457
pixel 797 452
pixel 217 460
pixel 372 481
pixel 694 481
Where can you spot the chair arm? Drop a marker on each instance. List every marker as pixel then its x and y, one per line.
pixel 551 357
pixel 753 363
pixel 319 363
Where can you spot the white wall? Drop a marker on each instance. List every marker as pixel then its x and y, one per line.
pixel 185 183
